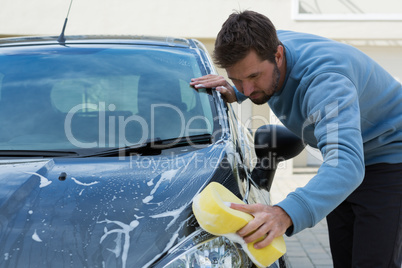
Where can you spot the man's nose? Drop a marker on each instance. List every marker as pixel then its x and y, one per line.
pixel 248 88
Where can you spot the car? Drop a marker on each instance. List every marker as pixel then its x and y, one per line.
pixel 103 146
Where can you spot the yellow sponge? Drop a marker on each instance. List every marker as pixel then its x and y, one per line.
pixel 212 211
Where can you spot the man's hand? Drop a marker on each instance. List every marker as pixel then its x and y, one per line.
pixel 218 82
pixel 273 221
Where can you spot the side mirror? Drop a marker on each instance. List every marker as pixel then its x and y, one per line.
pixel 273 144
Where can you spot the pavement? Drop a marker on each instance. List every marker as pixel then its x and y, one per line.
pixel 310 247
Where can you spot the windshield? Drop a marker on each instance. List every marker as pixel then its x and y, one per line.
pixel 64 98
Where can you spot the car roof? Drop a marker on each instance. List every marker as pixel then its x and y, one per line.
pixel 101 39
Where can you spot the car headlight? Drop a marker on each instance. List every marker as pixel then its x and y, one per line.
pixel 218 252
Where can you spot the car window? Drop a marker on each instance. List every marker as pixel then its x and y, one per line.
pixel 1 79
pixel 113 91
pixel 86 97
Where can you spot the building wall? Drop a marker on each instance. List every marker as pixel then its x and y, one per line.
pixel 191 18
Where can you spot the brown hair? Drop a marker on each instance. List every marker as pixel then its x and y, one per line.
pixel 242 32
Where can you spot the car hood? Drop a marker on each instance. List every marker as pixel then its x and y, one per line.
pixel 101 212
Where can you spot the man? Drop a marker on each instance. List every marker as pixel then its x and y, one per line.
pixel 340 101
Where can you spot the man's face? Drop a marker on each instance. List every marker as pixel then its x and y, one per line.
pixel 256 79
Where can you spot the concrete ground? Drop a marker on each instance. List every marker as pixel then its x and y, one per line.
pixel 310 247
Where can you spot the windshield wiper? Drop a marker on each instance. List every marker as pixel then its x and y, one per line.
pixel 154 147
pixel 143 148
pixel 36 153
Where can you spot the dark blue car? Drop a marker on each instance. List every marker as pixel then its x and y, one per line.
pixel 103 145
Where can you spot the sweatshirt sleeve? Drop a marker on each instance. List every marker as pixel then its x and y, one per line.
pixel 331 106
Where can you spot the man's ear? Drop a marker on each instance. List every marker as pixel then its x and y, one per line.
pixel 280 55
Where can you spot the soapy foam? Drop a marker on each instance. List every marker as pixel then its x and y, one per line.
pixel 227 204
pixel 36 237
pixel 82 183
pixel 239 240
pixel 125 229
pixel 173 213
pixel 166 176
pixel 43 180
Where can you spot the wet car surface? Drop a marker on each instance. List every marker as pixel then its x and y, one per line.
pixel 103 146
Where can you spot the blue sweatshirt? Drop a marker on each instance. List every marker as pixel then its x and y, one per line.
pixel 340 101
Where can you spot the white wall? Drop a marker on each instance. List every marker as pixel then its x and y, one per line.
pixel 190 18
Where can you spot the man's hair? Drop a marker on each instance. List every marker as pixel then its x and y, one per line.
pixel 243 32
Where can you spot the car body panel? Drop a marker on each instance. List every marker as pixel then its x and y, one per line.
pixel 105 210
